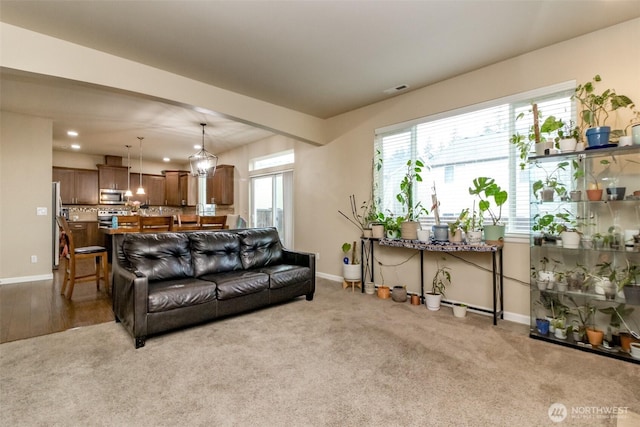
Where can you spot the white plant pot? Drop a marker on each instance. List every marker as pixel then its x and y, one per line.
pixel 370 288
pixel 568 145
pixel 423 235
pixel 460 310
pixel 570 239
pixel 433 301
pixel 351 271
pixel 474 237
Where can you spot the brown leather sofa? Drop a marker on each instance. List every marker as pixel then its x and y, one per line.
pixel 165 281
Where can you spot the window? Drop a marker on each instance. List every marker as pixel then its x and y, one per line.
pixel 463 144
pixel 278 159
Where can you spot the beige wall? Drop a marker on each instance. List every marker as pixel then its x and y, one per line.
pixel 25 184
pixel 326 175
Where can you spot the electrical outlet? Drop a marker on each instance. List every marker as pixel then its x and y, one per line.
pixel 34 259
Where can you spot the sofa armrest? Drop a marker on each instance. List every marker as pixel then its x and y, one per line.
pixel 303 259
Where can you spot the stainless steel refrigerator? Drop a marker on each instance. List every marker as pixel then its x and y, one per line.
pixel 56 209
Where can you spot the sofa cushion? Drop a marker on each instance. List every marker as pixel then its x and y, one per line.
pixel 215 252
pixel 159 256
pixel 170 294
pixel 259 247
pixel 238 283
pixel 283 275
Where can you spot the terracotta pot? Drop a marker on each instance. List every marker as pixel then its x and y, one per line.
pixel 595 337
pixel 625 341
pixel 384 292
pixel 594 195
pixel 415 299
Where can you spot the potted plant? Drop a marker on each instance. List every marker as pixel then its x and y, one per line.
pixel 628 283
pixel 617 314
pixel 406 196
pixel 351 263
pixel 487 190
pixel 441 279
pixel 524 143
pixel 456 227
pixel 550 184
pixel 459 309
pixel 568 137
pixel 595 109
pixel 546 278
pixel 391 224
pixel 362 216
pixel 585 324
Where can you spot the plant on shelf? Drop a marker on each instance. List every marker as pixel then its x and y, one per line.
pixel 569 131
pixel 595 107
pixel 392 224
pixel 457 225
pixel 551 127
pixel 411 209
pixel 616 315
pixel 524 143
pixel 584 313
pixel 486 190
pixel 441 279
pixel 361 216
pixel 550 184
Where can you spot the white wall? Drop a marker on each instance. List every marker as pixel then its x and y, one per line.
pixel 25 184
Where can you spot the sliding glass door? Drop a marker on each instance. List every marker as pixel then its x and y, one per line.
pixel 272 204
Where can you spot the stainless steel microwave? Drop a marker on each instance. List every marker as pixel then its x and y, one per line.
pixel 112 197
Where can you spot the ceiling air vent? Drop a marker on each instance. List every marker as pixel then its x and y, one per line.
pixel 399 88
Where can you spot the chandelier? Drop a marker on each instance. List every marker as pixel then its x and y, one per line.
pixel 128 193
pixel 140 189
pixel 203 163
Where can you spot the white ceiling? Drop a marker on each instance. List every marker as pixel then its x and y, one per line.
pixel 320 57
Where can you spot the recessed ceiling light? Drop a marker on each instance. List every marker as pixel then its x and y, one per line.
pixel 72 133
pixel 75 146
pixel 166 159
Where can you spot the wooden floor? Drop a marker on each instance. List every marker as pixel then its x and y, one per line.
pixel 31 309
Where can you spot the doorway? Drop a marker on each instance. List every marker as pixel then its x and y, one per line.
pixel 272 204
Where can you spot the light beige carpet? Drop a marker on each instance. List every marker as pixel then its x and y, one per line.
pixel 344 359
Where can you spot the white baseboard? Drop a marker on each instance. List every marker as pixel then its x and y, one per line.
pixel 23 279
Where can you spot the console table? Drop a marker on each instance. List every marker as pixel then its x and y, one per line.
pixel 367 251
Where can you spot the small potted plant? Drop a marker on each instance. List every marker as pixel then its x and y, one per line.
pixel 456 227
pixel 595 108
pixel 412 209
pixel 551 184
pixel 459 309
pixel 568 137
pixel 628 283
pixel 441 279
pixel 616 315
pixel 351 263
pixel 487 190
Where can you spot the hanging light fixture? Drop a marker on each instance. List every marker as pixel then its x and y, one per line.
pixel 203 163
pixel 140 190
pixel 128 193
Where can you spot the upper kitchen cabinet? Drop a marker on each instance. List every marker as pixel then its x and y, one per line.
pixel 220 186
pixel 77 186
pixel 112 177
pixel 154 187
pixel 177 187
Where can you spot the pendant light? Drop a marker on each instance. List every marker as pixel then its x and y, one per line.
pixel 128 193
pixel 203 163
pixel 140 190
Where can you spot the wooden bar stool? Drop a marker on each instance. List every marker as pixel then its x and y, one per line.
pixel 72 255
pixel 153 224
pixel 213 222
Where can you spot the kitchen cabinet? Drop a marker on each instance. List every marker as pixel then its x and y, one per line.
pixel 77 186
pixel 86 233
pixel 176 187
pixel 577 293
pixel 220 187
pixel 112 177
pixel 154 187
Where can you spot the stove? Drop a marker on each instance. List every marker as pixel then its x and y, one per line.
pixel 105 215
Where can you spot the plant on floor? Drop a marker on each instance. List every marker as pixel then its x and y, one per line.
pixel 348 247
pixel 441 279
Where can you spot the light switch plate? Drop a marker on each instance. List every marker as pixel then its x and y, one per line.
pixel 41 211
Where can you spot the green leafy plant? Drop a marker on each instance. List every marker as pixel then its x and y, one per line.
pixel 353 248
pixel 551 125
pixel 617 313
pixel 569 130
pixel 441 279
pixel 597 106
pixel 551 180
pixel 459 222
pixel 486 189
pixel 412 209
